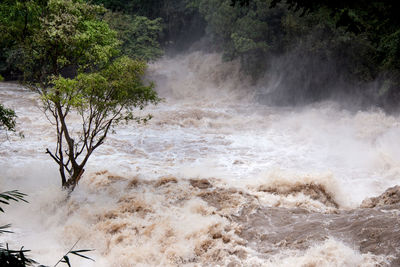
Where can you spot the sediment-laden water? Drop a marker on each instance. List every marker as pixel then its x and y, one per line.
pixel 215 178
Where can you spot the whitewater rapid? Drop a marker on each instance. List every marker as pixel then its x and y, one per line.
pixel 188 187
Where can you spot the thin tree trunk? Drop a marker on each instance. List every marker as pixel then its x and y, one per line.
pixel 74 179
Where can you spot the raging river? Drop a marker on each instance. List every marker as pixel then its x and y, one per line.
pixel 216 178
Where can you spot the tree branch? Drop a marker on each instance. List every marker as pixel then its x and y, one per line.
pixel 56 159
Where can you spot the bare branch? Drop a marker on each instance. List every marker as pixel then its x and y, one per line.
pixel 56 159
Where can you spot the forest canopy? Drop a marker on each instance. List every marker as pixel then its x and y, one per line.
pixel 324 47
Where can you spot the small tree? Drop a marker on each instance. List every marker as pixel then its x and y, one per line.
pixel 70 59
pixel 102 100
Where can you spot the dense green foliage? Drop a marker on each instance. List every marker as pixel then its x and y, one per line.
pixel 70 38
pixel 75 30
pixel 320 48
pixel 18 21
pixel 138 34
pixel 378 23
pixel 243 32
pixel 181 21
pixel 257 33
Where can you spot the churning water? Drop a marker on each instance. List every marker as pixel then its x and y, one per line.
pixel 214 179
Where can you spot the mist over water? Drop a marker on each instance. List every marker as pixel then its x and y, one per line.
pixel 213 179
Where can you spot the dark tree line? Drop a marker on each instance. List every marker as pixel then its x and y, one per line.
pixel 345 44
pixel 349 43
